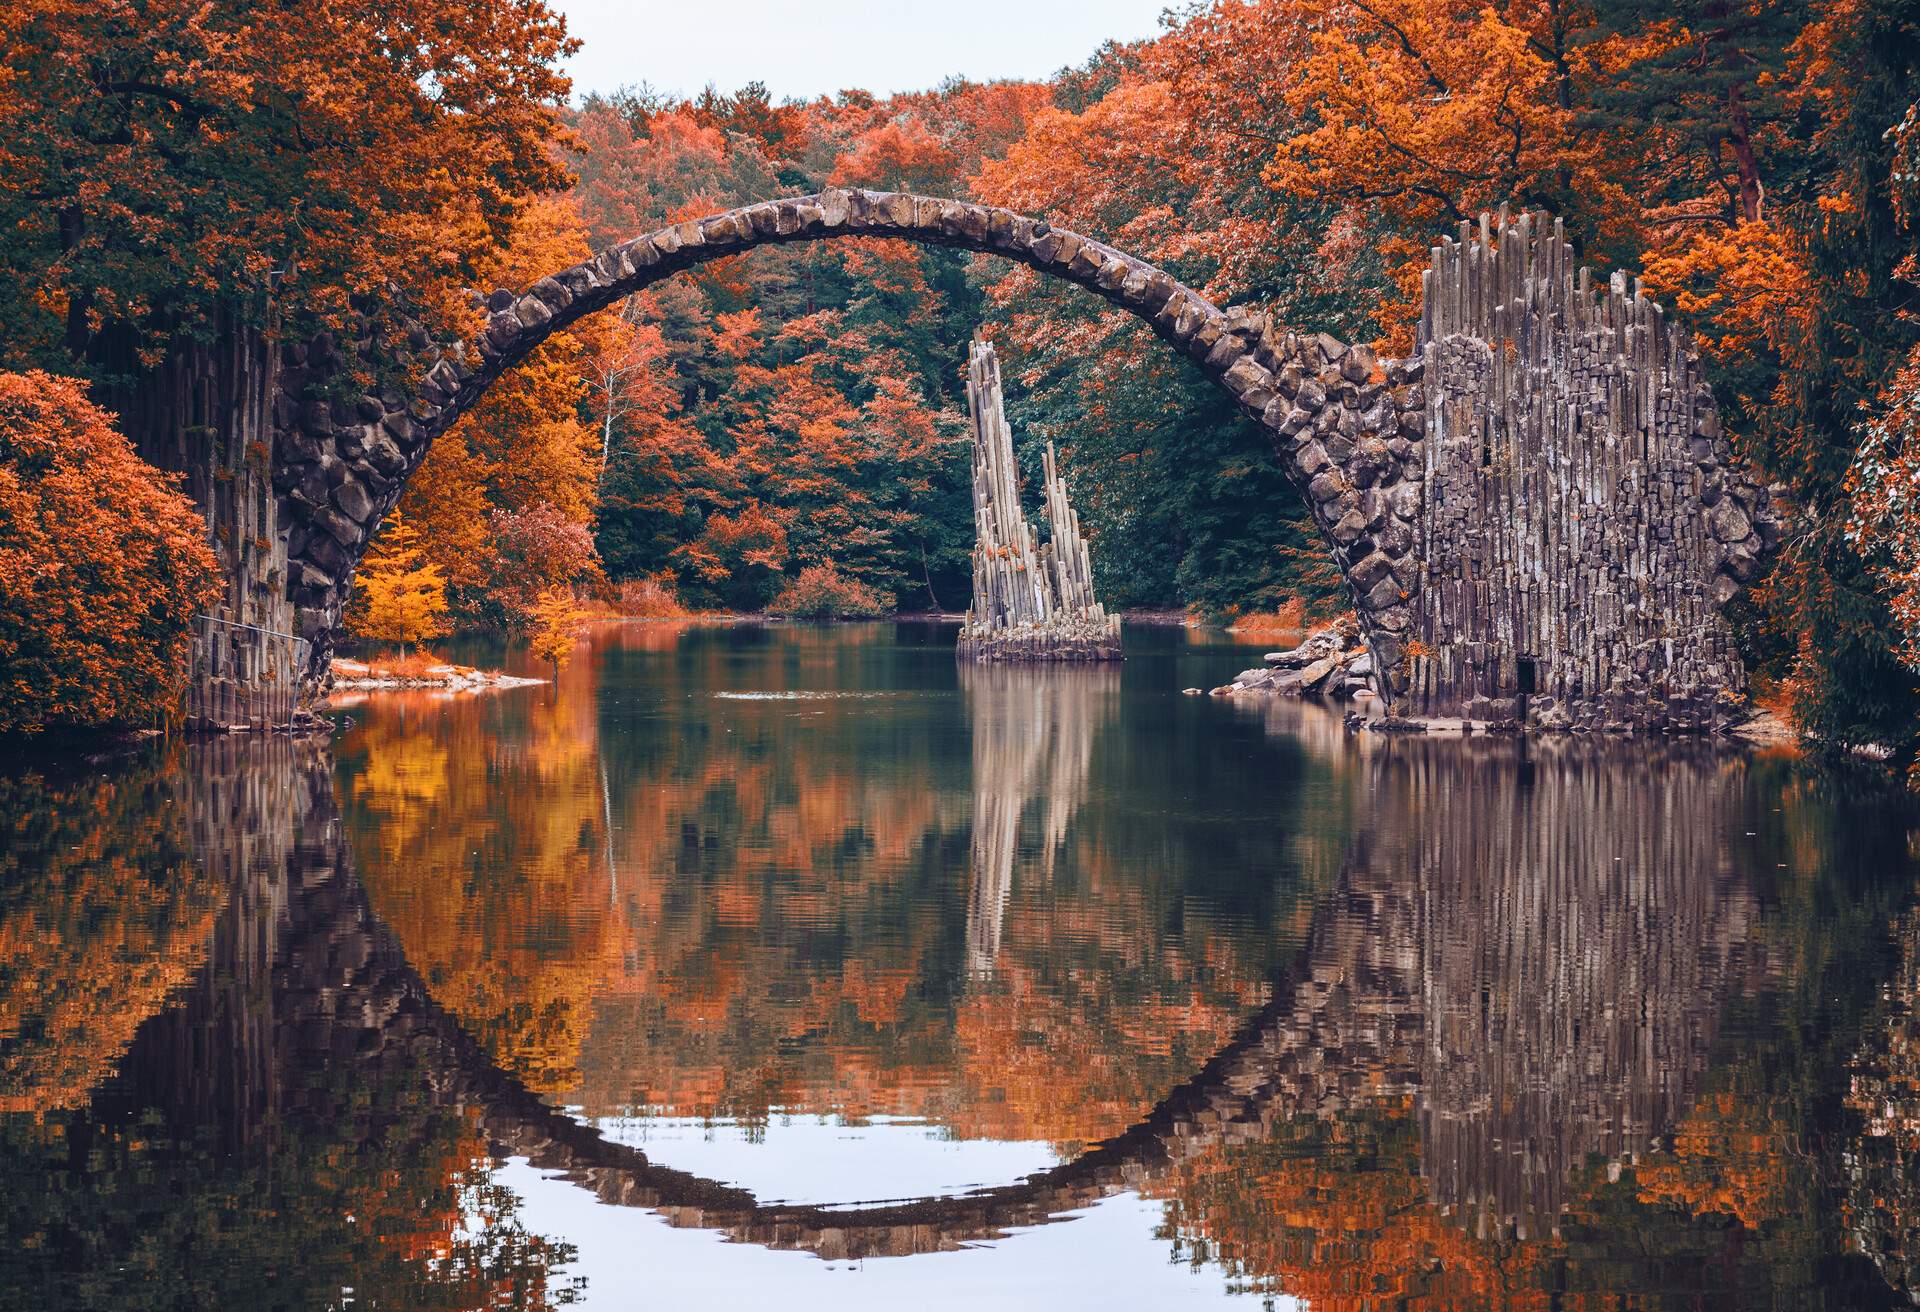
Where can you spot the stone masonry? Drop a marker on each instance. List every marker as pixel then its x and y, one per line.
pixel 1350 429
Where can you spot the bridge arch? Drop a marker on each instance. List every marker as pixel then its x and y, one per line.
pixel 339 470
pixel 1536 516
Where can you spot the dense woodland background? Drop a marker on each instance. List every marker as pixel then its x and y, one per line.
pixel 174 164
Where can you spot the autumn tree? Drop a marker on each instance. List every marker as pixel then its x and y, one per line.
pixel 536 551
pixel 702 450
pixel 659 470
pixel 1183 499
pixel 738 558
pixel 175 162
pixel 533 428
pixel 555 628
pixel 103 565
pixel 399 594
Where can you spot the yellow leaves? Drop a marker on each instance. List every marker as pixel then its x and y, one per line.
pixel 446 502
pixel 528 444
pixel 398 595
pixel 556 627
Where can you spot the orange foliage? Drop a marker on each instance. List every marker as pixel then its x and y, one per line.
pixel 202 153
pixel 1734 1155
pixel 1743 288
pixel 516 953
pixel 530 432
pixel 103 914
pixel 103 565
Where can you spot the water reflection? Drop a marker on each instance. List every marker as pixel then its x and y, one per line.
pixel 1033 732
pixel 270 1137
pixel 1407 1023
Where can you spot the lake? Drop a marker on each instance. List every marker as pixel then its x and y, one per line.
pixel 751 966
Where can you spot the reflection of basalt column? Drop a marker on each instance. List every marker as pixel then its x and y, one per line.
pixel 1883 1161
pixel 265 829
pixel 1581 927
pixel 1032 741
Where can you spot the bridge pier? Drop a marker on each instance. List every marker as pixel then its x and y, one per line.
pixel 206 413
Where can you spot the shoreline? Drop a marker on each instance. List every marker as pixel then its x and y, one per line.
pixel 359 676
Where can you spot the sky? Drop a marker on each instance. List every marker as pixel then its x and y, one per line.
pixel 806 48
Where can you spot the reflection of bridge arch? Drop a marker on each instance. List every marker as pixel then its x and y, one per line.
pixel 1383 998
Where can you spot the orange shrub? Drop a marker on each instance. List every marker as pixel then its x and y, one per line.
pixel 103 564
pixel 650 598
pixel 820 593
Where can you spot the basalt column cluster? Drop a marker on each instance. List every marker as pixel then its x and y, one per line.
pixel 1584 520
pixel 1031 602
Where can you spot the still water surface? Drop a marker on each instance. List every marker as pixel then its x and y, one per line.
pixel 755 967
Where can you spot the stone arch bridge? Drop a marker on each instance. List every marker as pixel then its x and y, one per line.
pixel 1535 514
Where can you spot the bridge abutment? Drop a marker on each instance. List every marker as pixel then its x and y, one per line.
pixel 206 412
pixel 1584 517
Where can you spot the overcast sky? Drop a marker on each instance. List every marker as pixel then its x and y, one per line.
pixel 806 48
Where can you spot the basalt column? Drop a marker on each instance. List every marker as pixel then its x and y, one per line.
pixel 206 412
pixel 1031 602
pixel 1583 521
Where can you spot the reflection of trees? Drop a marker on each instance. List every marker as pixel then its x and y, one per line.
pixel 790 855
pixel 103 913
pixel 255 1148
pixel 489 840
pixel 1499 1067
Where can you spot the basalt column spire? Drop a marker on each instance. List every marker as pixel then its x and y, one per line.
pixel 1031 602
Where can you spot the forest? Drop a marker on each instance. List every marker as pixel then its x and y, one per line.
pixel 791 412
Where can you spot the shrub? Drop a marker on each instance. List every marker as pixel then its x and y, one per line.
pixel 821 593
pixel 535 551
pixel 650 598
pixel 103 565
